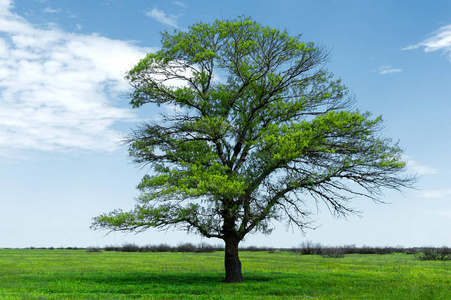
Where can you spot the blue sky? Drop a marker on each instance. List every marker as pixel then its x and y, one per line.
pixel 63 111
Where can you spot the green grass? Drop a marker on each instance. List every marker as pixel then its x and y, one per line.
pixel 77 274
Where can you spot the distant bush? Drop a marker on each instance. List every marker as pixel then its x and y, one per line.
pixel 257 249
pixel 72 248
pixel 130 248
pixel 349 249
pixel 309 248
pixel 183 247
pixel 93 249
pixel 430 253
pixel 333 252
pixel 186 247
pixel 112 248
pixel 412 250
pixel 381 250
pixel 207 248
pixel 162 248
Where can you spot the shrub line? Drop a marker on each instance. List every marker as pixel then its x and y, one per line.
pixel 305 248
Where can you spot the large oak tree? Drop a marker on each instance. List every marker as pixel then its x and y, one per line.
pixel 261 131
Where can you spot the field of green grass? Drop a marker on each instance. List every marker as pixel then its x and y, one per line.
pixel 77 274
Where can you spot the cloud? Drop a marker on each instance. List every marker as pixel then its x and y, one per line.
pixel 179 3
pixel 161 17
pixel 56 87
pixel 51 10
pixel 383 70
pixel 435 194
pixel 419 168
pixel 440 40
pixel 5 7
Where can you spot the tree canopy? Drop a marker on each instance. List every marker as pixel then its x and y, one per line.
pixel 261 130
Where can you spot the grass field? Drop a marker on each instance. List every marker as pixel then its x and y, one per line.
pixel 77 274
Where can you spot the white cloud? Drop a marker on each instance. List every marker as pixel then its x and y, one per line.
pixel 51 10
pixel 161 16
pixel 5 7
pixel 435 194
pixel 440 40
pixel 420 169
pixel 56 87
pixel 388 70
pixel 179 3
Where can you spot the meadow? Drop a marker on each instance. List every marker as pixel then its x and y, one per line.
pixel 79 274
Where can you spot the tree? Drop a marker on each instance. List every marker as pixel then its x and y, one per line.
pixel 261 129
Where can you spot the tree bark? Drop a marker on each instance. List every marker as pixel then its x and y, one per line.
pixel 232 261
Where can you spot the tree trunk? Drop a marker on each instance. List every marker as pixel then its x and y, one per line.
pixel 232 261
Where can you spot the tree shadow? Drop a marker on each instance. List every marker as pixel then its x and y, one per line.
pixel 143 278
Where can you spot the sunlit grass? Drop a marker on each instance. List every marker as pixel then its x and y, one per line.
pixel 77 274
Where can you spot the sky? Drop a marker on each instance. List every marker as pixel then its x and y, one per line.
pixel 64 110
